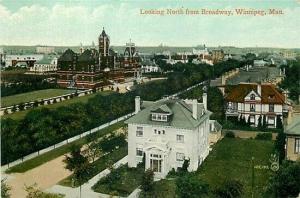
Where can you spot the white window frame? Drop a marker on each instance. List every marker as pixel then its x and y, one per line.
pixel 139 131
pixel 139 151
pixel 180 138
pixel 297 145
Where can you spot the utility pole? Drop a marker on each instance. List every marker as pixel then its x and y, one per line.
pixel 252 178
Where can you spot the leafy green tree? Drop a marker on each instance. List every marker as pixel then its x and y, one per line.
pixel 230 189
pixel 259 125
pixel 279 122
pixel 286 182
pixel 147 182
pixel 280 145
pixel 5 189
pixel 264 122
pixel 185 165
pixel 190 186
pixel 248 121
pixel 78 164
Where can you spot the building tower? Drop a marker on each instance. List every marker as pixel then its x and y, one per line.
pixel 103 44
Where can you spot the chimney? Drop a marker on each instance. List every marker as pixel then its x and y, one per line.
pixel 259 89
pixel 195 109
pixel 137 104
pixel 204 100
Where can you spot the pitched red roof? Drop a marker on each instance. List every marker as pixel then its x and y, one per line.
pixel 269 93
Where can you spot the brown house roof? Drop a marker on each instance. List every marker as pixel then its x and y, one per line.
pixel 269 93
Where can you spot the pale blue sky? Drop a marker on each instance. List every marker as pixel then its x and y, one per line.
pixel 33 22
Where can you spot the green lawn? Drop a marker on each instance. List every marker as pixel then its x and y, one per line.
pixel 230 159
pixel 128 180
pixel 21 114
pixel 98 166
pixel 32 96
pixel 37 161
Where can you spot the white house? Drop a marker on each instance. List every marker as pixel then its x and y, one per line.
pixel 167 132
pixel 255 100
pixel 47 64
pixel 148 66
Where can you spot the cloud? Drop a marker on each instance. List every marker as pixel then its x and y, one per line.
pixel 71 24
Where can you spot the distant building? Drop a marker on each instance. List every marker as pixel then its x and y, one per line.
pixel 292 131
pixel 167 132
pixel 251 101
pixel 148 66
pixel 288 54
pixel 260 63
pixel 45 50
pixel 79 70
pixel 16 60
pixel 217 55
pixel 45 65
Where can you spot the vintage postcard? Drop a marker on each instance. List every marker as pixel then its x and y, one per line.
pixel 150 98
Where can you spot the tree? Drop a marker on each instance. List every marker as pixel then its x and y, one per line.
pixel 94 149
pixel 77 163
pixel 190 186
pixel 279 122
pixel 230 189
pixel 185 165
pixel 280 145
pixel 34 192
pixel 147 182
pixel 259 125
pixel 286 182
pixel 264 125
pixel 248 121
pixel 5 189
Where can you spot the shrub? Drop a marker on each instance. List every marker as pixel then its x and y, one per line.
pixel 229 134
pixel 230 189
pixel 21 106
pixel 147 181
pixel 263 136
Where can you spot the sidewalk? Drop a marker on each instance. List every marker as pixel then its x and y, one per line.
pixel 86 189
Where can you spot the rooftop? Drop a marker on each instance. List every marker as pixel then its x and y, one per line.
pixel 180 110
pixel 269 93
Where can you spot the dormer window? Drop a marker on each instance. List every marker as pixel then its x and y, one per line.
pixel 252 97
pixel 159 117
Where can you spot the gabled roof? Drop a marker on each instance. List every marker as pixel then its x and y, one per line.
pixel 181 117
pixel 269 93
pixel 68 55
pixel 87 55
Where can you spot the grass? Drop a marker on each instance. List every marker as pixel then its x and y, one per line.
pixel 43 158
pixel 32 96
pixel 21 114
pixel 230 159
pixel 98 166
pixel 129 180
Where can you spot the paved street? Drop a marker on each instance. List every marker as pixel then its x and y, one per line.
pixel 87 192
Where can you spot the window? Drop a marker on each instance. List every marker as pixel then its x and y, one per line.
pixel 271 107
pixel 179 156
pixel 155 165
pixel 139 131
pixel 155 131
pixel 139 152
pixel 252 97
pixel 153 116
pixel 271 120
pixel 252 119
pixel 164 118
pixel 155 162
pixel 163 132
pixel 252 107
pixel 180 138
pixel 297 145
